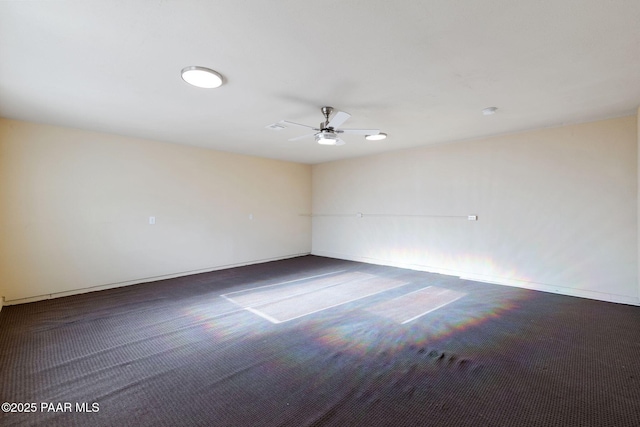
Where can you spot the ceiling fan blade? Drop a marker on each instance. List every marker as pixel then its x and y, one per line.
pixel 302 137
pixel 339 118
pixel 339 142
pixel 359 131
pixel 286 122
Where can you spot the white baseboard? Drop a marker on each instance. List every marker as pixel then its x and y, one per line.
pixel 141 280
pixel 562 290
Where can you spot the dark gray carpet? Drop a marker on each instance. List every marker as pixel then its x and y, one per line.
pixel 174 352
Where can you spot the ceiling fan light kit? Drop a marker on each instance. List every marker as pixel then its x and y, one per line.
pixel 328 139
pixel 327 133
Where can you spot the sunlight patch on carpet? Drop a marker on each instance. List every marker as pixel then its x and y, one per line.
pixel 411 306
pixel 287 301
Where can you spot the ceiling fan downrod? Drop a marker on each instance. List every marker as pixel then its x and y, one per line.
pixel 327 112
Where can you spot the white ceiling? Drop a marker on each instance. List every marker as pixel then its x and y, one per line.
pixel 420 70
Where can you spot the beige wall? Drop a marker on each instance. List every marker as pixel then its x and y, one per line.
pixel 75 208
pixel 557 209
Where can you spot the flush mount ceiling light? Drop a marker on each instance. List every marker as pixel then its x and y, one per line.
pixel 201 77
pixel 376 137
pixel 489 111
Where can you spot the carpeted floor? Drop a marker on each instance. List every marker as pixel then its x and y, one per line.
pixel 288 344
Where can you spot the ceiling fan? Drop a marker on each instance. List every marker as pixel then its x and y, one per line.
pixel 328 132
